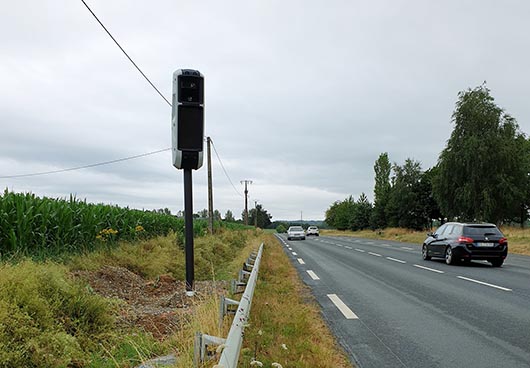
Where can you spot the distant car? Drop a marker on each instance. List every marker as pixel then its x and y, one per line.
pixel 295 232
pixel 312 230
pixel 456 241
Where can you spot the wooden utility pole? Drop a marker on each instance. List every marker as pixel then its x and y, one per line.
pixel 246 198
pixel 210 186
pixel 256 214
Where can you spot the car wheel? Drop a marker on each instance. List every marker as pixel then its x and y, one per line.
pixel 497 262
pixel 449 259
pixel 424 253
pixel 288 238
pixel 303 238
pixel 317 235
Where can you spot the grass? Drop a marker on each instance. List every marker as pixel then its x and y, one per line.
pixel 518 239
pixel 50 319
pixel 285 322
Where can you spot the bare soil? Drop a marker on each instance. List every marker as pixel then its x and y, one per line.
pixel 159 307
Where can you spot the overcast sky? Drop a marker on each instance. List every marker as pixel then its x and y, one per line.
pixel 301 97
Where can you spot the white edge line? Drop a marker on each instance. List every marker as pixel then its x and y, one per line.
pixel 484 283
pixel 313 275
pixel 301 261
pixel 344 309
pixel 428 269
pixel 395 260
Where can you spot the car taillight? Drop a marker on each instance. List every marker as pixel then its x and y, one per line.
pixel 503 241
pixel 465 239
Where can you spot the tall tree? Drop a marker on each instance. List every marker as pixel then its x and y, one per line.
pixel 382 169
pixel 408 203
pixel 263 218
pixel 361 214
pixel 480 176
pixel 229 216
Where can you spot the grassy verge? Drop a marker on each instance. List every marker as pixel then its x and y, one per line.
pixel 286 326
pixel 518 239
pixel 51 317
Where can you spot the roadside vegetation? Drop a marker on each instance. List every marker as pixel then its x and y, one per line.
pixel 114 307
pixel 518 239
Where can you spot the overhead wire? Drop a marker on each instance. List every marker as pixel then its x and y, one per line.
pixel 223 167
pixel 85 166
pixel 125 53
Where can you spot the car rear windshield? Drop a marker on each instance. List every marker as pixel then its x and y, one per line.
pixel 481 230
pixel 296 228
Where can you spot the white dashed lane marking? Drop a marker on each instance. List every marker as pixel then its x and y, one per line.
pixel 344 309
pixel 428 269
pixel 347 247
pixel 407 248
pixel 301 261
pixel 359 250
pixel 313 275
pixel 484 283
pixel 374 254
pixel 295 254
pixel 395 260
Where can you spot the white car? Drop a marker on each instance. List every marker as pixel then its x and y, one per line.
pixel 312 230
pixel 295 232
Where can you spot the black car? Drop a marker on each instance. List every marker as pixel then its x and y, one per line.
pixel 456 241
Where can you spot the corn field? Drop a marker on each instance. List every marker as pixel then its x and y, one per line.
pixel 30 225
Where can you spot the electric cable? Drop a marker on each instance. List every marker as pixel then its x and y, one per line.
pixel 222 166
pixel 128 57
pixel 85 166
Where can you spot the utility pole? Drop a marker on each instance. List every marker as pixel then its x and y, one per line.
pixel 246 198
pixel 256 214
pixel 210 186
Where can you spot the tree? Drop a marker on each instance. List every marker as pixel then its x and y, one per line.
pixel 229 216
pixel 340 214
pixel 408 204
pixel 263 218
pixel 480 176
pixel 203 213
pixel 382 187
pixel 217 215
pixel 362 212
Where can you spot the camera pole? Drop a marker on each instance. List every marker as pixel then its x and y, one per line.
pixel 188 222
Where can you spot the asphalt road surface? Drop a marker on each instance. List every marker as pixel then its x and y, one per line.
pixel 389 308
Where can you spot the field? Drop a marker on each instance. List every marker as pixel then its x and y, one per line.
pixel 518 239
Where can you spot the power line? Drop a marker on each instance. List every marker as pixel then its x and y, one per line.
pixel 128 57
pixel 85 166
pixel 227 176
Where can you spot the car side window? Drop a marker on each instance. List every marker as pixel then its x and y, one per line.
pixel 448 231
pixel 440 230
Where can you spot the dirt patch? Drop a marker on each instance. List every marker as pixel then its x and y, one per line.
pixel 160 306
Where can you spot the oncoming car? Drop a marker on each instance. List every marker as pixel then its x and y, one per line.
pixel 312 230
pixel 295 232
pixel 455 241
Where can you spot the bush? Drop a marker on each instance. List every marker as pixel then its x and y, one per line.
pixel 46 318
pixel 280 229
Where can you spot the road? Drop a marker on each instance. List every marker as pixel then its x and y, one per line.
pixel 389 308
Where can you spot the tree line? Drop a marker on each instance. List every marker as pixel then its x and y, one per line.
pixel 483 175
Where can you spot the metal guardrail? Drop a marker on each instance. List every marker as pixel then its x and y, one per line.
pixel 232 344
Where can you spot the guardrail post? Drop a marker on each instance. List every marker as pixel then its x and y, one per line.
pixel 224 308
pixel 202 342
